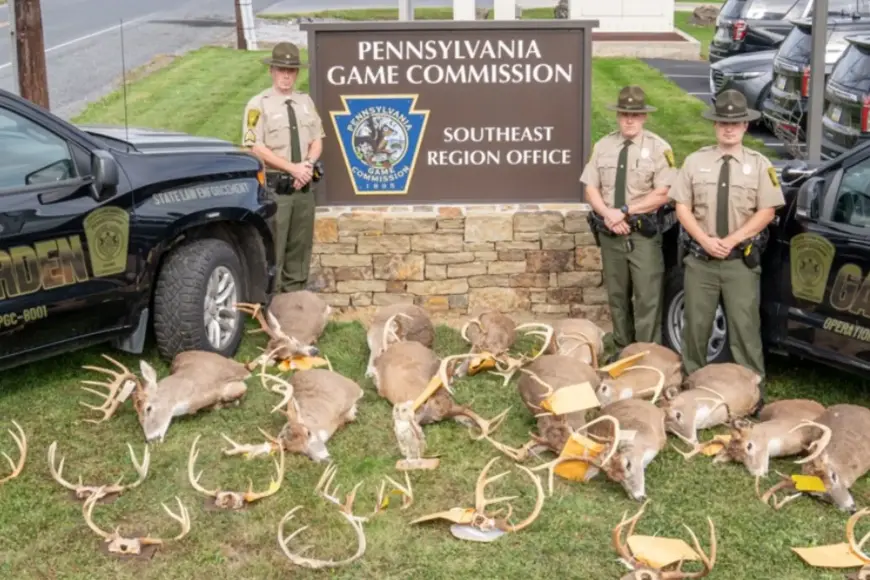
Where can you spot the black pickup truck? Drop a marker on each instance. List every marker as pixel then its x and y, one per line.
pixel 815 282
pixel 107 233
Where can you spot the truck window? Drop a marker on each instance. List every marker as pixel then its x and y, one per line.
pixel 30 154
pixel 845 7
pixel 797 45
pixel 853 197
pixel 853 69
pixel 768 9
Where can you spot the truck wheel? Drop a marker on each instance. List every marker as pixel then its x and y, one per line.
pixel 674 305
pixel 196 288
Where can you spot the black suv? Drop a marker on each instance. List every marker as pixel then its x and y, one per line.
pixel 751 25
pixel 106 233
pixel 846 120
pixel 785 108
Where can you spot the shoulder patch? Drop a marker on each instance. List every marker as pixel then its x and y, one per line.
pixel 771 172
pixel 253 117
pixel 669 156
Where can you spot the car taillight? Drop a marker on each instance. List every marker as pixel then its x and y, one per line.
pixel 865 115
pixel 805 82
pixel 738 30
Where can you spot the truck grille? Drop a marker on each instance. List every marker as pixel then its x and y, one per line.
pixel 717 81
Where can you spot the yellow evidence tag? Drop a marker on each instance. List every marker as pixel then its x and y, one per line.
pixel 431 388
pixel 570 399
pixel 617 368
pixel 575 469
pixel 808 483
pixel 481 363
pixel 715 445
pixel 302 363
pixel 830 556
pixel 455 515
pixel 657 552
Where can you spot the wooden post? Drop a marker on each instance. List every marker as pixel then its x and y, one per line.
pixel 32 75
pixel 241 43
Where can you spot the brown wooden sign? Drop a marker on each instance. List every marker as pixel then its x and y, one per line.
pixel 452 111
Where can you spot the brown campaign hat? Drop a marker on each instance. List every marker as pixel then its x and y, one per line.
pixel 285 55
pixel 631 99
pixel 731 107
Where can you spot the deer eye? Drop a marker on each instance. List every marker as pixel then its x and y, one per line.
pixel 833 477
pixel 678 416
pixel 628 464
pixel 148 409
pixel 750 446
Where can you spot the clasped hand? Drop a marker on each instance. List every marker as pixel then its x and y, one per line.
pixel 614 219
pixel 301 173
pixel 718 247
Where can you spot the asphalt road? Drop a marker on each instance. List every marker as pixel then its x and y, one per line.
pixel 83 41
pixel 694 78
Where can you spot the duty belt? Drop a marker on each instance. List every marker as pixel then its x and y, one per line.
pixel 749 251
pixel 646 224
pixel 282 183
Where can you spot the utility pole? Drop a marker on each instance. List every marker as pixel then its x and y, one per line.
pixel 32 75
pixel 817 81
pixel 241 43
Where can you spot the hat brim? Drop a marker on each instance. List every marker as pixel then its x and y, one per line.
pixel 751 115
pixel 618 109
pixel 271 62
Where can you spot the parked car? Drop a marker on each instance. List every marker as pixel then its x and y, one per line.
pixel 846 117
pixel 750 73
pixel 754 25
pixel 785 109
pixel 815 268
pixel 107 234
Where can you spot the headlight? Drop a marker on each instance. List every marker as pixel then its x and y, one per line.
pixel 744 76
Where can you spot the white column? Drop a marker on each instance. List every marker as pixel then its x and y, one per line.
pixel 505 9
pixel 464 9
pixel 406 10
pixel 575 9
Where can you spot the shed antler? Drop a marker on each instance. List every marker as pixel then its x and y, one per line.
pixel 625 554
pixel 119 388
pixel 322 489
pixel 132 546
pixel 346 512
pixel 85 491
pixel 785 483
pixel 232 499
pixel 857 548
pixel 21 442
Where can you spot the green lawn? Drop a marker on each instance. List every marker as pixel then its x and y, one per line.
pixel 704 34
pixel 205 92
pixel 44 534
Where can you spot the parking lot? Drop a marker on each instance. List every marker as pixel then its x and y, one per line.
pixel 694 78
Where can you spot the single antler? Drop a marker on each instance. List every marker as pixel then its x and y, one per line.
pixel 21 442
pixel 119 388
pixel 857 548
pixel 466 326
pixel 300 560
pixel 819 445
pixel 390 330
pixel 85 491
pixel 250 451
pixel 621 546
pixel 657 389
pixel 785 483
pixel 581 340
pixel 485 522
pixel 509 366
pixel 132 546
pixel 322 489
pixel 406 491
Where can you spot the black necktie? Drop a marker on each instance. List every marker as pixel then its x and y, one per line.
pixel 295 149
pixel 621 172
pixel 722 197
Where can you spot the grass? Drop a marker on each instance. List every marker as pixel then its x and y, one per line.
pixel 44 534
pixel 704 34
pixel 205 92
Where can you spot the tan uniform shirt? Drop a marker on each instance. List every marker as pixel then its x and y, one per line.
pixel 266 122
pixel 753 186
pixel 650 166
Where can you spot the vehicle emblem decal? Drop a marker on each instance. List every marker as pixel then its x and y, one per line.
pixel 380 138
pixel 811 256
pixel 107 231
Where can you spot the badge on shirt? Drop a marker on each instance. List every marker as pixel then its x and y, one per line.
pixel 747 169
pixel 644 153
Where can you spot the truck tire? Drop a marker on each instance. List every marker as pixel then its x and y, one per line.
pixel 672 321
pixel 192 277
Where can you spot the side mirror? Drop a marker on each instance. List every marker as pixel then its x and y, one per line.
pixel 808 196
pixel 104 170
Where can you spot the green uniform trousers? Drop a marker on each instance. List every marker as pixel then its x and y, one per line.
pixel 295 237
pixel 636 274
pixel 740 287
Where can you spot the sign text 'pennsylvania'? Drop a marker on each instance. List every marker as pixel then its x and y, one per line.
pixel 441 114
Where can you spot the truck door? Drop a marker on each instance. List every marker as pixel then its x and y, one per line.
pixel 830 271
pixel 63 254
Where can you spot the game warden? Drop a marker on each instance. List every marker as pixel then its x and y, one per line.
pixel 282 127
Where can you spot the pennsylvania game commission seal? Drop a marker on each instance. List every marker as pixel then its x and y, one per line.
pixel 107 231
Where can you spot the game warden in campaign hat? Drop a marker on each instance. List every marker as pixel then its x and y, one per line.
pixel 631 99
pixel 282 127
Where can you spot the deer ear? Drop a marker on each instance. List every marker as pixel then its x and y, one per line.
pixel 741 424
pixel 671 393
pixel 148 373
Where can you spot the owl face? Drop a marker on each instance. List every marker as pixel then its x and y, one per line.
pixel 403 411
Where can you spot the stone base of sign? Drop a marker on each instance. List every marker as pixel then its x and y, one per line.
pixel 528 258
pixel 674 45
